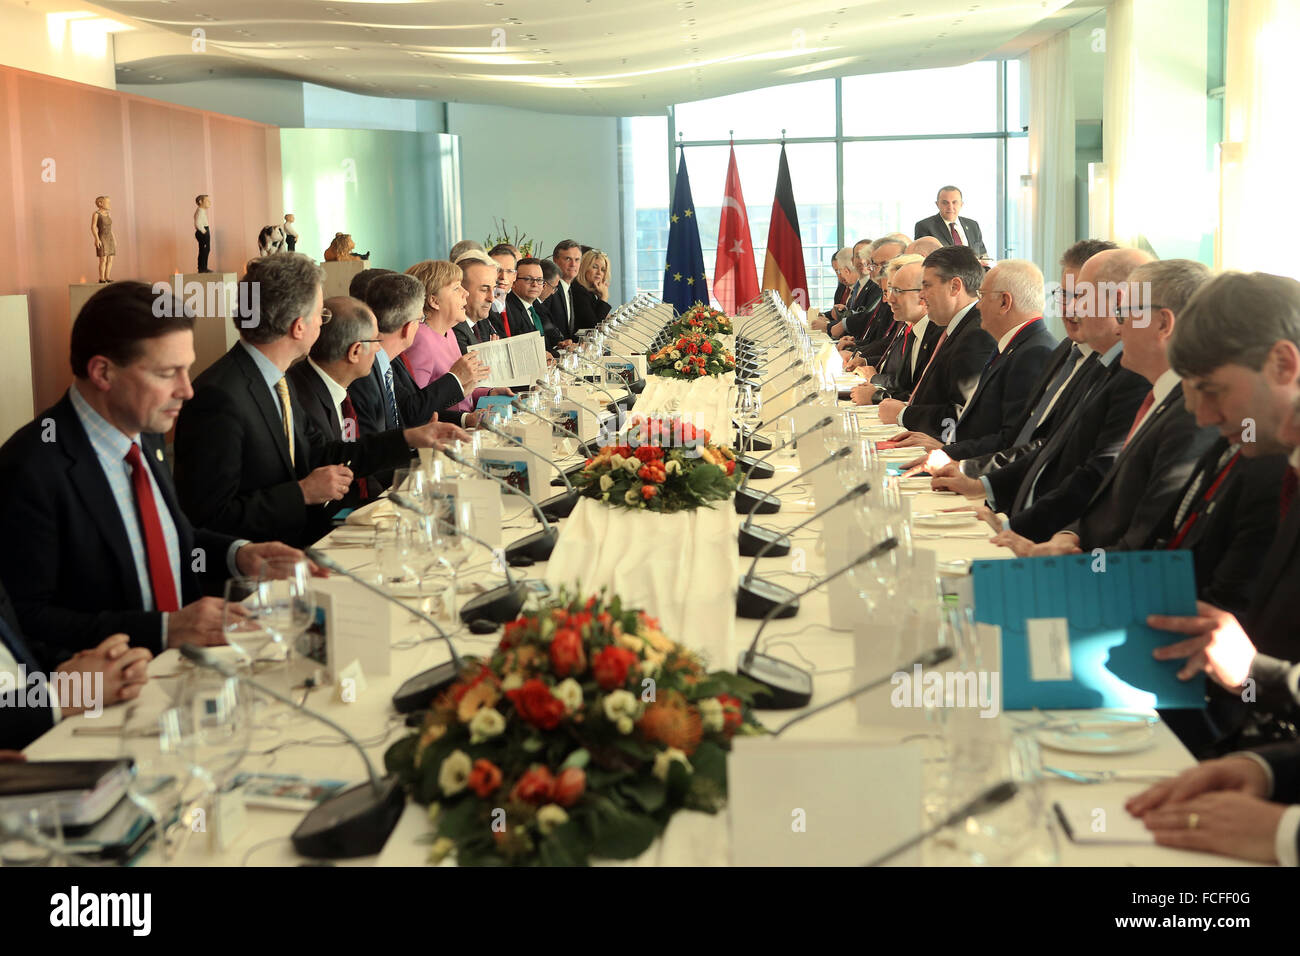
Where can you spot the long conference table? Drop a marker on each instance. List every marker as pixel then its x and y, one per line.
pixel 311 750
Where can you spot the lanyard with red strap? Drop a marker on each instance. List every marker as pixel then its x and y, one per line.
pixel 1190 520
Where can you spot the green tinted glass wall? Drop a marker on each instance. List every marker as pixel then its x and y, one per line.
pixel 396 193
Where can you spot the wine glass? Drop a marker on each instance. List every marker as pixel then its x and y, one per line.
pixel 412 481
pixel 160 748
pixel 454 522
pixel 242 622
pixel 287 605
pixel 219 710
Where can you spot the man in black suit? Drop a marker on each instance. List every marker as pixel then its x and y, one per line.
pixel 1011 311
pixel 478 276
pixel 914 340
pixel 361 281
pixel 866 318
pixel 568 312
pixel 1164 442
pixel 1244 379
pixel 107 548
pixel 522 308
pixel 949 226
pixel 344 352
pixel 950 280
pixel 506 259
pixel 249 460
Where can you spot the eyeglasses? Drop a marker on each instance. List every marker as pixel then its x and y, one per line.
pixel 325 316
pixel 367 341
pixel 531 279
pixel 983 292
pixel 1058 295
pixel 895 290
pixel 1123 312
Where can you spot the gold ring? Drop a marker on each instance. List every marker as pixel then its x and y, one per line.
pixel 1192 820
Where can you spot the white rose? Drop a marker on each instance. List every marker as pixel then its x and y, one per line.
pixel 616 461
pixel 569 692
pixel 551 816
pixel 711 715
pixel 454 773
pixel 513 681
pixel 625 724
pixel 677 353
pixel 632 465
pixel 632 497
pixel 485 725
pixel 666 759
pixel 673 467
pixel 649 667
pixel 606 482
pixel 442 847
pixel 619 703
pixel 678 366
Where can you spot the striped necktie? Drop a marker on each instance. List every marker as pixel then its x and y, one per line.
pixel 392 396
pixel 1049 395
pixel 286 408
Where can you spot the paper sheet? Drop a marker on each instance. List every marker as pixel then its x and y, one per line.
pixel 517 360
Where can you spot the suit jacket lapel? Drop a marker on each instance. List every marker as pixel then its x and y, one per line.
pixel 261 396
pixel 86 475
pixel 1138 437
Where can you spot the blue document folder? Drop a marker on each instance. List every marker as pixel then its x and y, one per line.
pixel 1074 631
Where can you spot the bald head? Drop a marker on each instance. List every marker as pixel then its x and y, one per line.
pixel 1113 265
pixel 923 246
pixel 344 347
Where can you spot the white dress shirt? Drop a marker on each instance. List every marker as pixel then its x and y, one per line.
pixel 918 333
pixel 960 231
pixel 1160 389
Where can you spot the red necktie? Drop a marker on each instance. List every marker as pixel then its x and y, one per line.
pixel 956 237
pixel 937 345
pixel 1290 482
pixel 505 321
pixel 352 428
pixel 155 546
pixel 1142 410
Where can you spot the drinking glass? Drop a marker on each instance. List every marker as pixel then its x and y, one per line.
pixel 454 522
pixel 160 747
pixel 32 837
pixel 288 607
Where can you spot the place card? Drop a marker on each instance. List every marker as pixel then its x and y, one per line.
pixel 359 627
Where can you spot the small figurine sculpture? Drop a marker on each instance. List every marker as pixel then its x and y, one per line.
pixel 340 249
pixel 101 230
pixel 270 240
pixel 290 232
pixel 201 231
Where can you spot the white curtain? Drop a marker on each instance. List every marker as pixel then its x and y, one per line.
pixel 1261 143
pixel 1051 151
pixel 1118 126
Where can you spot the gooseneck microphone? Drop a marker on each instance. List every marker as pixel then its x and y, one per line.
pixel 536 546
pixel 931 658
pixel 752 500
pixel 613 402
pixel 753 463
pixel 557 506
pixel 788 687
pixel 420 690
pixel 758 542
pixel 499 604
pixel 990 799
pixel 559 430
pixel 356 822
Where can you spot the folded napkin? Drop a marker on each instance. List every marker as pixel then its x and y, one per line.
pixel 375 513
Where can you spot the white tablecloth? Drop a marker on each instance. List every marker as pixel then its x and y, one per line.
pixel 706 403
pixel 681 568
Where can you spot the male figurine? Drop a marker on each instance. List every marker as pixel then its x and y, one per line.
pixel 290 232
pixel 201 231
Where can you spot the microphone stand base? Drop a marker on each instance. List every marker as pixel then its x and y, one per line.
pixel 501 604
pixel 755 468
pixel 751 501
pixel 537 546
pixel 787 687
pixel 586 450
pixel 754 539
pixel 753 441
pixel 419 692
pixel 559 506
pixel 756 597
pixel 355 823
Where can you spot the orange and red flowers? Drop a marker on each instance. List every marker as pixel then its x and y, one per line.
pixel 611 666
pixel 537 705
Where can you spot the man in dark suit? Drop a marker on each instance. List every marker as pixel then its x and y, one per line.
pixel 108 674
pixel 1011 311
pixel 950 280
pixel 107 548
pixel 907 355
pixel 478 276
pixel 344 352
pixel 568 313
pixel 522 308
pixel 866 318
pixel 248 458
pixel 1244 380
pixel 1164 442
pixel 949 226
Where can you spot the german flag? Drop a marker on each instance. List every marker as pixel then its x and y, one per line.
pixel 783 268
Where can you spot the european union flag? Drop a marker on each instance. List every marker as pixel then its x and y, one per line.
pixel 684 280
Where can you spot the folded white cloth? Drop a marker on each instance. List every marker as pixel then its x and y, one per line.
pixel 369 515
pixel 681 568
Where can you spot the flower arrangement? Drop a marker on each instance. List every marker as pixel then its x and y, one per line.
pixel 667 465
pixel 702 318
pixel 501 234
pixel 692 355
pixel 581 736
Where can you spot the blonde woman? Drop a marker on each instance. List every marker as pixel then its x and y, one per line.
pixel 593 280
pixel 101 230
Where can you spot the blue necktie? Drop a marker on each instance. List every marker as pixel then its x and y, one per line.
pixel 1040 409
pixel 392 396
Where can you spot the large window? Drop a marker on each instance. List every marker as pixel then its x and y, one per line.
pixel 873 170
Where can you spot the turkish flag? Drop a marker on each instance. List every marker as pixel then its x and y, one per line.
pixel 735 278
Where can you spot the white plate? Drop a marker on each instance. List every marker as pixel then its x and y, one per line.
pixel 902 454
pixel 1102 732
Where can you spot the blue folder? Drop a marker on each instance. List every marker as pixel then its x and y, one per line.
pixel 1075 636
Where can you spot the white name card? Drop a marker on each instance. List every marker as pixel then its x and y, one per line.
pixel 358 627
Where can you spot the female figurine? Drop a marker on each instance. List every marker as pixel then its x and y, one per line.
pixel 101 230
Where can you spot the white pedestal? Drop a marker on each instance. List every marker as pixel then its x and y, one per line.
pixel 78 294
pixel 338 276
pixel 16 399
